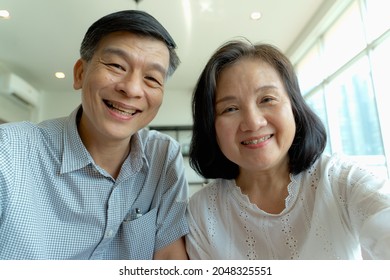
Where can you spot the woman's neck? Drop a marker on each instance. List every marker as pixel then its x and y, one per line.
pixel 268 190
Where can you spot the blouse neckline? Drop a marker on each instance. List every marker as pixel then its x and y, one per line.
pixel 292 188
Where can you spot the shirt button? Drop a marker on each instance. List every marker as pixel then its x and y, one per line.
pixel 109 233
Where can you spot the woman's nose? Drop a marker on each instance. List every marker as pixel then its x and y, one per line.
pixel 252 120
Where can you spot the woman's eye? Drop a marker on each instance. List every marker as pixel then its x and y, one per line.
pixel 267 100
pixel 229 110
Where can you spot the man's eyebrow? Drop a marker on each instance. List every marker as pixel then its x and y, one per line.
pixel 122 53
pixel 116 51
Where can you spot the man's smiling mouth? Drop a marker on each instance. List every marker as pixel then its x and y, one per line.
pixel 120 110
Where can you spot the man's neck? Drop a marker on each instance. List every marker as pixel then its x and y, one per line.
pixel 110 157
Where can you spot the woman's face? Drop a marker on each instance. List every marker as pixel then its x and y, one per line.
pixel 254 120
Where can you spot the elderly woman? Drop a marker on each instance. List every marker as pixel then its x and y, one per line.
pixel 275 195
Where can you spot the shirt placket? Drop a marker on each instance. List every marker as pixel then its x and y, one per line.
pixel 113 221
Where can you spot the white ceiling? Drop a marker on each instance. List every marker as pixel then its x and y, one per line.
pixel 43 36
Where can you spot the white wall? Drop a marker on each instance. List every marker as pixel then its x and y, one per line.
pixel 13 111
pixel 175 110
pixel 58 104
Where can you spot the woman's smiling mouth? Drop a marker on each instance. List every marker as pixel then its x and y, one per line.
pixel 256 141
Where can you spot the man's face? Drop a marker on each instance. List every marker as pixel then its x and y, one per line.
pixel 122 86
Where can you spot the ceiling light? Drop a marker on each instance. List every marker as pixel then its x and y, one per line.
pixel 4 14
pixel 60 75
pixel 255 15
pixel 205 6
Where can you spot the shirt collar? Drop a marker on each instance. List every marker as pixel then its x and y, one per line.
pixel 76 156
pixel 135 160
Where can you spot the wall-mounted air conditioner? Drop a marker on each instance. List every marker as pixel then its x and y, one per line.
pixel 15 87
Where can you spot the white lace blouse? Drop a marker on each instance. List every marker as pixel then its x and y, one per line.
pixel 333 211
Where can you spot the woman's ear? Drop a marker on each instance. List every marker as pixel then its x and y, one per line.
pixel 78 74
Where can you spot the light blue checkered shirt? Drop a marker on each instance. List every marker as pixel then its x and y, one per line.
pixel 56 203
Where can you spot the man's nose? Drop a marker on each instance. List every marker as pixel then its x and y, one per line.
pixel 131 85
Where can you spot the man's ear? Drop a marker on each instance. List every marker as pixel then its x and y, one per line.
pixel 78 74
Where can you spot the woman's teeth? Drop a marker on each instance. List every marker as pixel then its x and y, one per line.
pixel 256 141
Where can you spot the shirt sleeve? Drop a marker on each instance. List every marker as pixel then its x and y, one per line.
pixel 6 169
pixel 375 235
pixel 368 202
pixel 196 242
pixel 371 199
pixel 171 220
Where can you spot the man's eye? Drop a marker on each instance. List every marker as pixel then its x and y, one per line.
pixel 153 79
pixel 117 66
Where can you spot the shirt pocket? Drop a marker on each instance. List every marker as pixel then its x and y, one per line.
pixel 138 236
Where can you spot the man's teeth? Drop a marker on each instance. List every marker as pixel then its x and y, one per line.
pixel 120 110
pixel 256 141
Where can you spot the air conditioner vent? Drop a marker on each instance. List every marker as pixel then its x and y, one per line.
pixel 15 87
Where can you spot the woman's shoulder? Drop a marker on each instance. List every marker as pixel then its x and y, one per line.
pixel 339 163
pixel 342 170
pixel 213 190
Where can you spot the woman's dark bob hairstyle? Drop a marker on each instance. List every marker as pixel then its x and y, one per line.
pixel 205 155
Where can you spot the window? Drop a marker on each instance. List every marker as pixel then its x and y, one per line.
pixel 344 78
pixel 343 40
pixel 377 18
pixel 317 102
pixel 351 102
pixel 310 70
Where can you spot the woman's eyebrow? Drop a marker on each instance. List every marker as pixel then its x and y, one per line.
pixel 266 87
pixel 225 98
pixel 232 97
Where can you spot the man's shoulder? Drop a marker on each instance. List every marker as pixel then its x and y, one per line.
pixel 155 146
pixel 151 134
pixel 29 132
pixel 150 138
pixel 18 130
pixel 17 126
